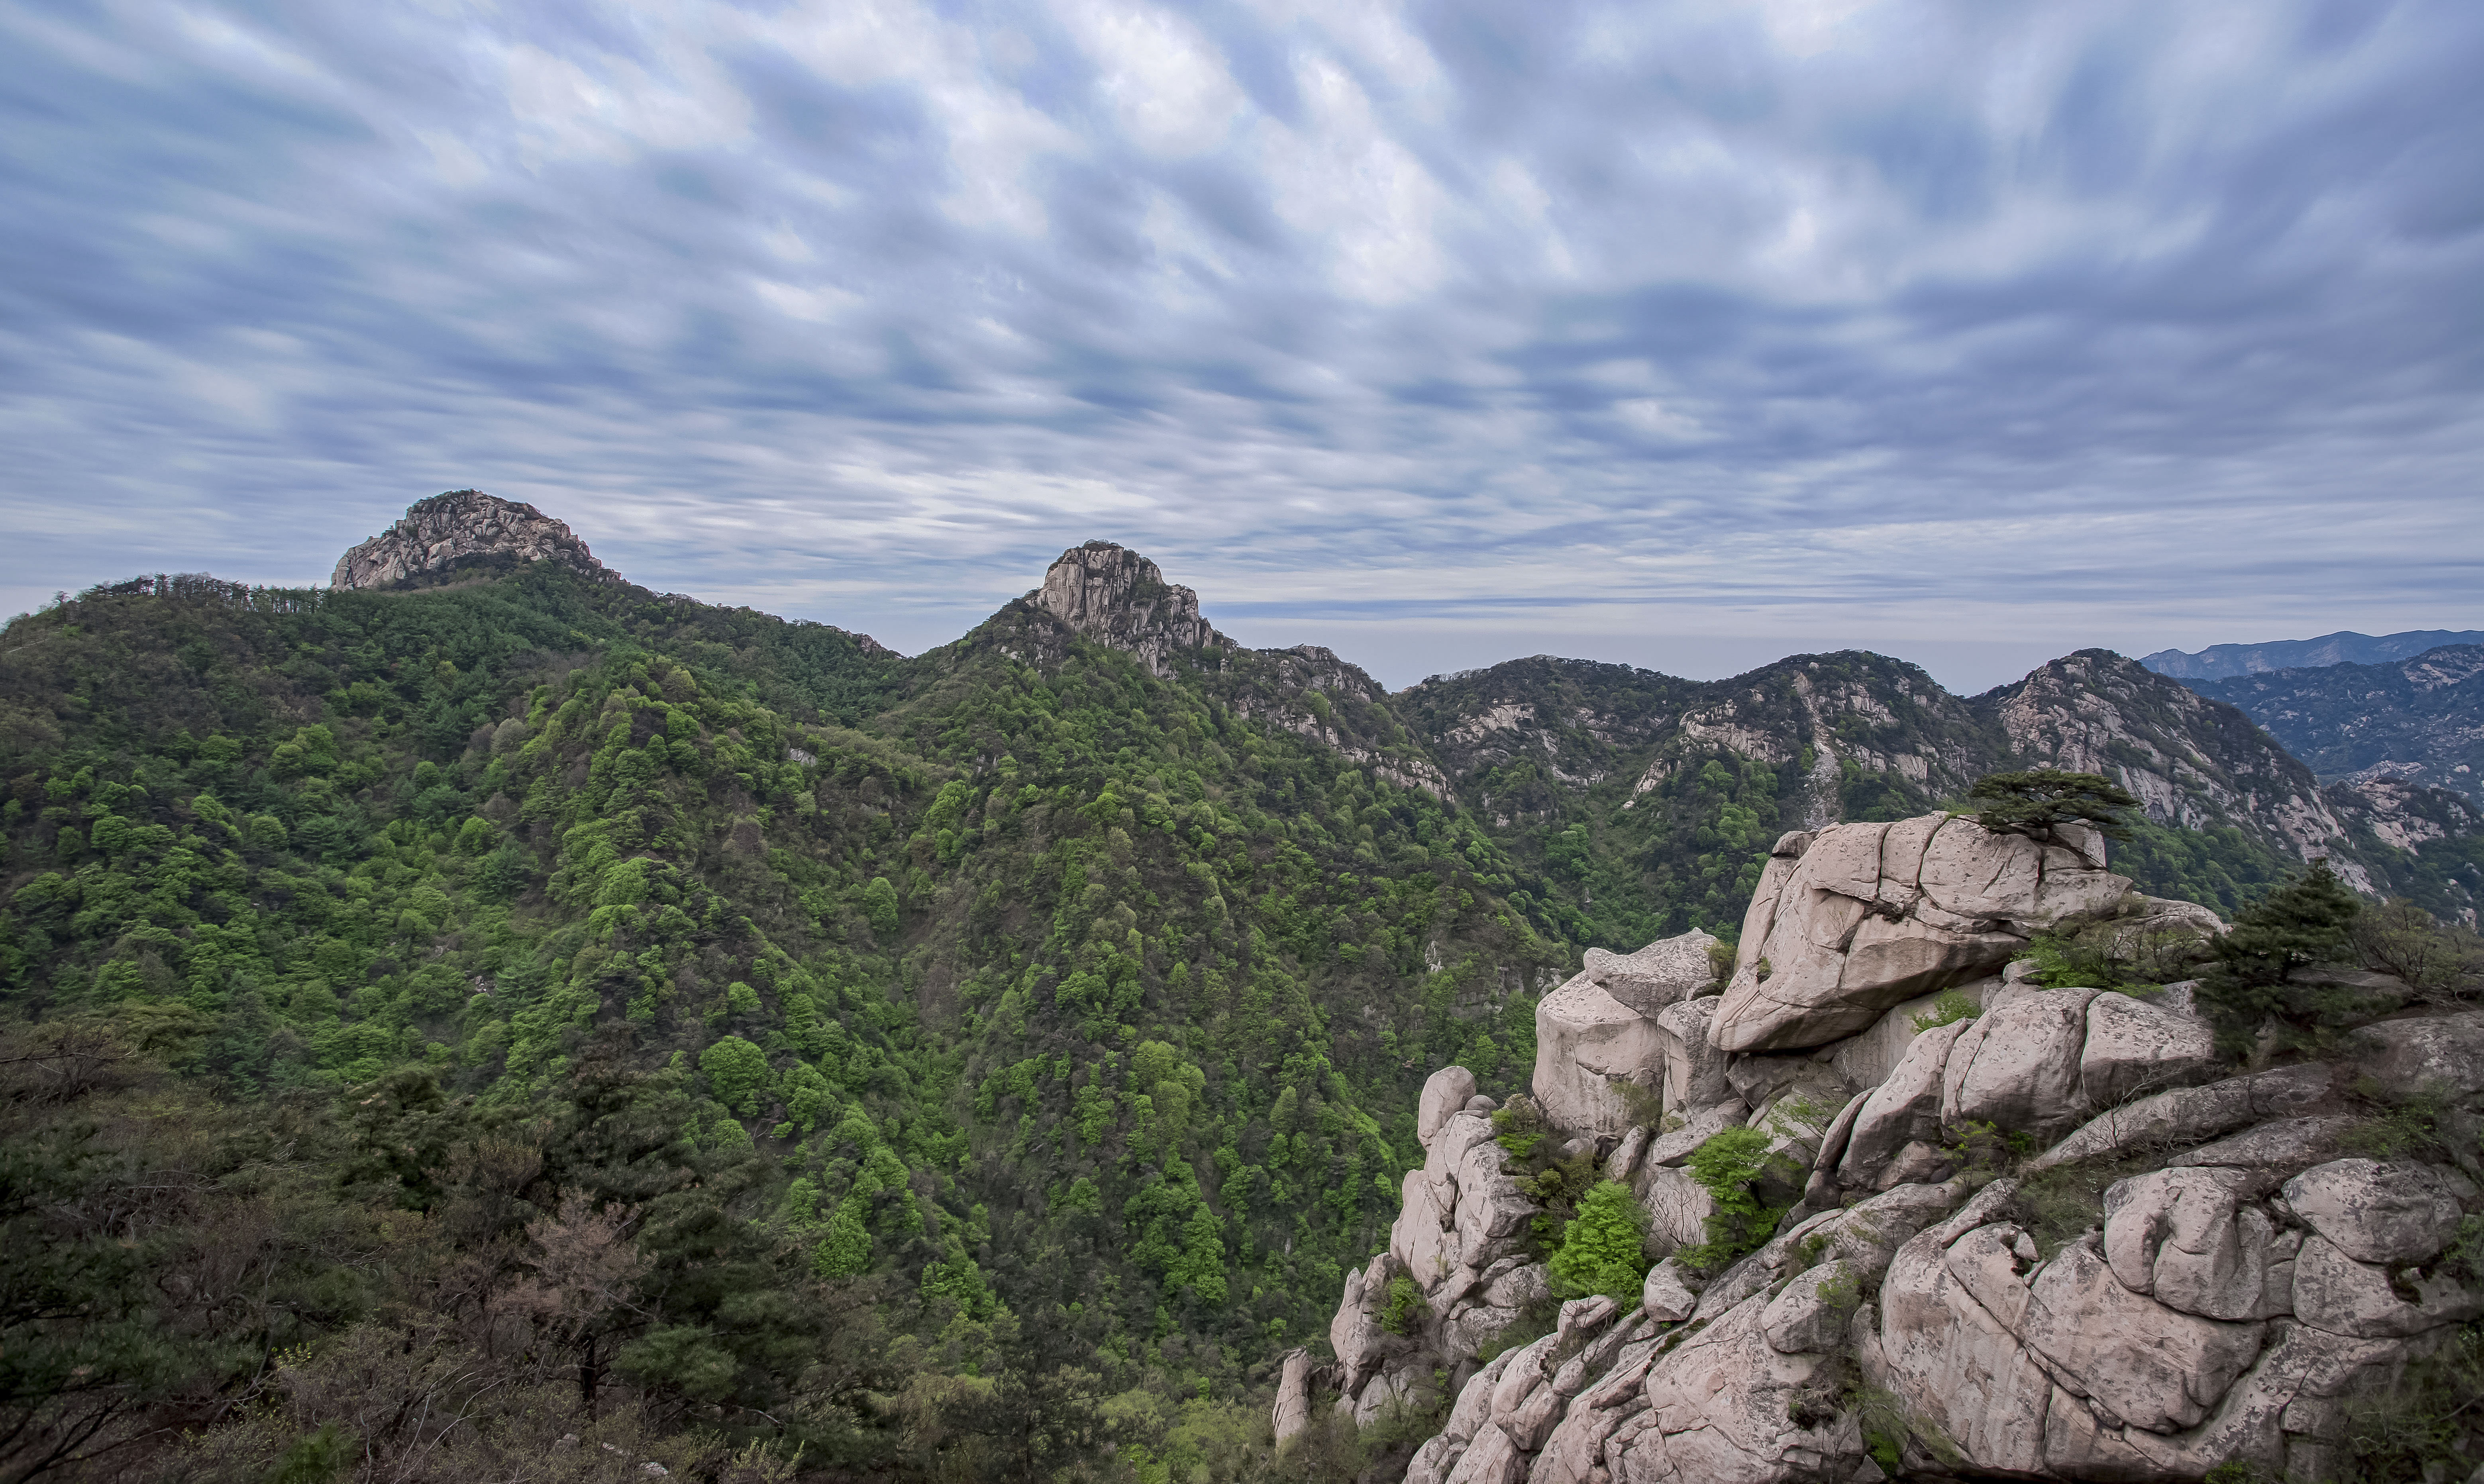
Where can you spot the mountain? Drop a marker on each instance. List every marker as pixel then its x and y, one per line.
pixel 2219 662
pixel 587 997
pixel 1648 804
pixel 2419 719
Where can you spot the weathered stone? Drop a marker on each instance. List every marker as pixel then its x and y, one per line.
pixel 464 525
pixel 1657 976
pixel 2387 1213
pixel 2134 1048
pixel 1719 1412
pixel 1474 1406
pixel 2153 1366
pixel 1626 1156
pixel 2188 1238
pixel 1699 1125
pixel 1585 1040
pixel 1490 1459
pixel 1666 1295
pixel 1678 1206
pixel 1809 1317
pixel 1876 914
pixel 1119 598
pixel 2274 1152
pixel 1871 1058
pixel 2443 1052
pixel 2017 1066
pixel 1445 1093
pixel 1520 1287
pixel 1903 1109
pixel 1694 1071
pixel 1492 1210
pixel 1954 1363
pixel 1435 1460
pixel 1863 1236
pixel 2335 1293
pixel 1423 1237
pixel 1528 1371
pixel 2189 1113
pixel 1293 1409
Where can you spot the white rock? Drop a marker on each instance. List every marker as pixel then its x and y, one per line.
pixel 1657 976
pixel 2444 1052
pixel 2335 1293
pixel 1520 1287
pixel 1903 1109
pixel 1584 1040
pixel 2018 1068
pixel 1421 1237
pixel 1809 1317
pixel 1718 1410
pixel 1293 1409
pixel 1699 1125
pixel 1490 1459
pixel 2134 1048
pixel 2187 1115
pixel 1666 1295
pixel 1435 1460
pixel 1445 1093
pixel 2153 1366
pixel 1869 1059
pixel 2275 1153
pixel 1694 1071
pixel 1678 1206
pixel 1474 1406
pixel 1492 1212
pixel 2391 1212
pixel 2188 1238
pixel 1626 1158
pixel 1872 915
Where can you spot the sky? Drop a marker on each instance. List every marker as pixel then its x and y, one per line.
pixel 1685 334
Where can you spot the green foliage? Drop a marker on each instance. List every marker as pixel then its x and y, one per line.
pixel 1727 1165
pixel 2442 962
pixel 1405 1302
pixel 2036 801
pixel 1603 1250
pixel 2421 1424
pixel 736 1072
pixel 1949 1008
pixel 2251 982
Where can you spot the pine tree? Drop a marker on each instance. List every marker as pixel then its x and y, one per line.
pixel 2306 921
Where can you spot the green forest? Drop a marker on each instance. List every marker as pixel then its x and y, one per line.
pixel 588 1014
pixel 523 1026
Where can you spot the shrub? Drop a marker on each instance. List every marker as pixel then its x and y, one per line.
pixel 2033 804
pixel 1726 1166
pixel 1952 1007
pixel 2306 921
pixel 1603 1250
pixel 1405 1297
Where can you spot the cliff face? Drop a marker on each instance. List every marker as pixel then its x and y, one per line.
pixel 2419 719
pixel 1117 597
pixel 457 525
pixel 2197 1269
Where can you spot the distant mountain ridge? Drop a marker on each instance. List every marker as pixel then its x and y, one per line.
pixel 2421 721
pixel 2219 662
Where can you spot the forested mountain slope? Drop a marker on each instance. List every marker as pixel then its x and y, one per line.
pixel 947 1064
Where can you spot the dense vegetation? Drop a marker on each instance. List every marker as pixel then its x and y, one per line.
pixel 523 1017
pixel 1046 1042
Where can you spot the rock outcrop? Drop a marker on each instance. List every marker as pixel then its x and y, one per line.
pixel 1118 598
pixel 1853 920
pixel 461 525
pixel 2222 1303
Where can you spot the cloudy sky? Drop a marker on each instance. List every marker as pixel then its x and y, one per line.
pixel 1688 334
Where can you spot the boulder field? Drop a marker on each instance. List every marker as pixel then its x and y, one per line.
pixel 1925 1306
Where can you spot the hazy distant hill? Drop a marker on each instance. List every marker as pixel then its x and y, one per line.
pixel 2345 647
pixel 2421 720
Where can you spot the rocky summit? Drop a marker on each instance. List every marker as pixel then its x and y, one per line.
pixel 2210 1269
pixel 461 525
pixel 1118 598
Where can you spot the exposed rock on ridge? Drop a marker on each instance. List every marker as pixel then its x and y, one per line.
pixel 2223 1307
pixel 1118 598
pixel 462 524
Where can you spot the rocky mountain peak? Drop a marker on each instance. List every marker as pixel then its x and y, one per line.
pixel 1117 597
pixel 459 525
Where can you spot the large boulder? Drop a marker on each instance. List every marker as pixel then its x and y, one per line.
pixel 1660 974
pixel 2392 1212
pixel 1871 915
pixel 2190 1239
pixel 1445 1093
pixel 1694 1069
pixel 1586 1041
pixel 2439 1052
pixel 1293 1409
pixel 1901 1112
pixel 2134 1048
pixel 2190 1115
pixel 2017 1067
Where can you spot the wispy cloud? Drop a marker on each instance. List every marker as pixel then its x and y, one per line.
pixel 1444 332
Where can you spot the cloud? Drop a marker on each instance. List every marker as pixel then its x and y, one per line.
pixel 1451 332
